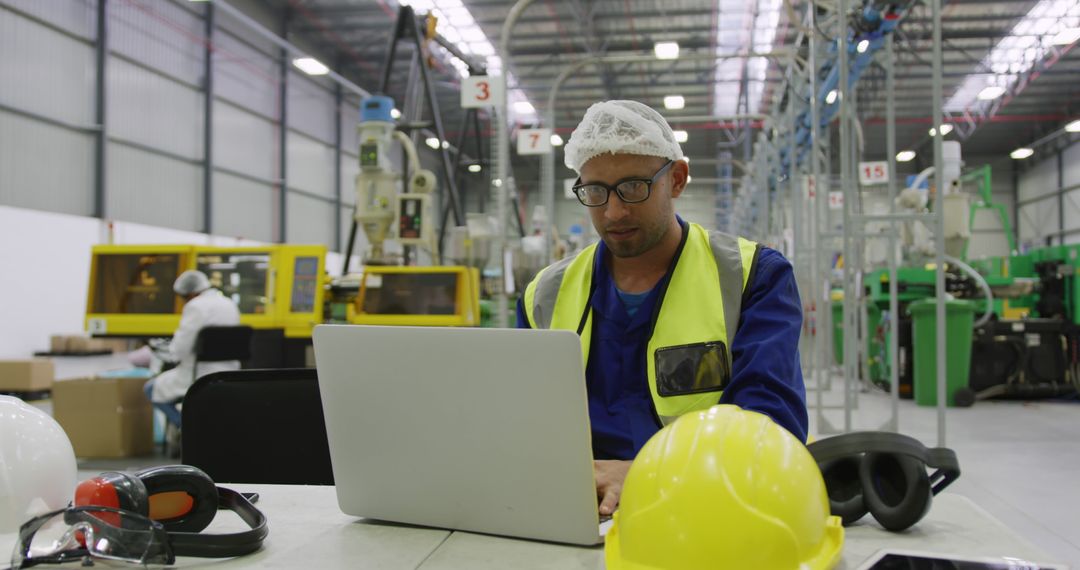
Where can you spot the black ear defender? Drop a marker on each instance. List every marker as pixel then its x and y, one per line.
pixel 884 474
pixel 184 500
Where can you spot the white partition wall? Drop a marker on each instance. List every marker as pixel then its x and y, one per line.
pixel 155 109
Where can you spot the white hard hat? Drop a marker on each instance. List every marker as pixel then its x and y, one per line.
pixel 191 282
pixel 621 127
pixel 37 464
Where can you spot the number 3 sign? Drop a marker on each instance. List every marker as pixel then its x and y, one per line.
pixel 479 91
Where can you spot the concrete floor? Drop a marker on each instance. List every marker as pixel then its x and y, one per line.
pixel 1019 459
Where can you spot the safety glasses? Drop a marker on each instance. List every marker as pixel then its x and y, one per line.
pixel 630 190
pixel 76 533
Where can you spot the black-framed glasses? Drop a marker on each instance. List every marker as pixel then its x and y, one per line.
pixel 630 190
pixel 76 533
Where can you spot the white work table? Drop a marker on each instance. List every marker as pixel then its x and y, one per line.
pixel 307 530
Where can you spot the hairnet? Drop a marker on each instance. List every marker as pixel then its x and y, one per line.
pixel 621 127
pixel 191 282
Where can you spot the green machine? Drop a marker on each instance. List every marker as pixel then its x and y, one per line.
pixel 1028 347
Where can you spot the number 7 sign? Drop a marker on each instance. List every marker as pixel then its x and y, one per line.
pixel 534 141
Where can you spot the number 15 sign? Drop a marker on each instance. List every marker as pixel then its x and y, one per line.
pixel 478 91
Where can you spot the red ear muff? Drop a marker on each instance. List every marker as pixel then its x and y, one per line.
pixel 116 490
pixel 112 489
pixel 181 497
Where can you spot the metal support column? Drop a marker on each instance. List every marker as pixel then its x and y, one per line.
pixel 894 311
pixel 939 224
pixel 101 52
pixel 1060 196
pixel 283 110
pixel 850 326
pixel 339 100
pixel 819 287
pixel 208 120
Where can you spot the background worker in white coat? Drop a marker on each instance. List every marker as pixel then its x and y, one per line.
pixel 204 306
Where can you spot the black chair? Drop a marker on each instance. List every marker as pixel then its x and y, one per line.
pixel 257 426
pixel 219 344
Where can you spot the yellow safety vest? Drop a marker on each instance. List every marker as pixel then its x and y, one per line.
pixel 688 356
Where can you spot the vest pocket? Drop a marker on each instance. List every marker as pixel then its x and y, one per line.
pixel 692 369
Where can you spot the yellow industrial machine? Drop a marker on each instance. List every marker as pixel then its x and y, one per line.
pixel 275 286
pixel 418 296
pixel 283 290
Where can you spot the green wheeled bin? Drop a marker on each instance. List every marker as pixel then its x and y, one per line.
pixel 959 322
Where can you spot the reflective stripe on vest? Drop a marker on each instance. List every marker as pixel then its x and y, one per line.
pixel 702 296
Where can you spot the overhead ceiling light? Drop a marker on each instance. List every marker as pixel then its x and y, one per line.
pixel 394 113
pixel 556 140
pixel 905 156
pixel 446 144
pixel 992 92
pixel 666 50
pixel 432 142
pixel 863 46
pixel 310 66
pixel 1073 127
pixel 945 129
pixel 1021 153
pixel 831 97
pixel 674 102
pixel 682 136
pixel 1066 37
pixel 524 108
pixel 1029 41
pixel 475 168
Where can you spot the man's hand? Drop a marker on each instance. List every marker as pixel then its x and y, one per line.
pixel 609 482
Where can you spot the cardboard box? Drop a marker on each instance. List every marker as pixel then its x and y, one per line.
pixel 58 343
pixel 105 417
pixel 26 375
pixel 77 344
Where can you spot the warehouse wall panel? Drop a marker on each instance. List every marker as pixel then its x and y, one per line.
pixel 350 117
pixel 78 17
pixel 1071 159
pixel 310 220
pixel 988 234
pixel 311 165
pixel 245 76
pixel 153 110
pixel 162 35
pixel 242 208
pixel 52 75
pixel 311 107
pixel 152 189
pixel 350 167
pixel 31 176
pixel 245 142
pixel 1071 174
pixel 1040 218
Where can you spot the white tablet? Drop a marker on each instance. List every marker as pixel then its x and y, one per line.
pixel 913 560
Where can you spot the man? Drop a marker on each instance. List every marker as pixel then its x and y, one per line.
pixel 203 306
pixel 672 318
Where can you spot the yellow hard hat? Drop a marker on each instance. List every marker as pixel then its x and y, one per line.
pixel 724 488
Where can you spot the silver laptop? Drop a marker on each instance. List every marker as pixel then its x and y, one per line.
pixel 482 430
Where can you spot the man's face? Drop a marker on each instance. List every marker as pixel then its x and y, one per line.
pixel 630 230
